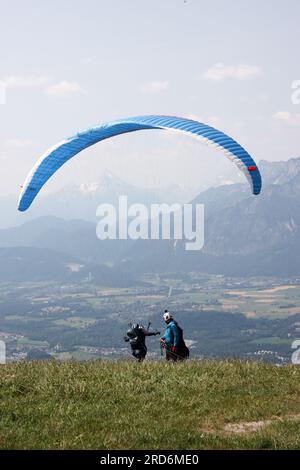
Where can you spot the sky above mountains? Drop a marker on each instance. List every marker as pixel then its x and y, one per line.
pixel 69 65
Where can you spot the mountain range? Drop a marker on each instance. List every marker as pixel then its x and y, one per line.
pixel 81 201
pixel 244 235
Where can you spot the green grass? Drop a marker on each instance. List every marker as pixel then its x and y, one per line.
pixel 76 322
pixel 83 355
pixel 32 342
pixel 155 405
pixel 271 341
pixel 22 318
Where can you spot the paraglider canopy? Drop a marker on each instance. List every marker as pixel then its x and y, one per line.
pixel 56 156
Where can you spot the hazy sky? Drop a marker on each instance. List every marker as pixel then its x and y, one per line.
pixel 70 64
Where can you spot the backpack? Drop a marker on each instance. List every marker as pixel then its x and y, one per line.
pixel 136 337
pixel 183 350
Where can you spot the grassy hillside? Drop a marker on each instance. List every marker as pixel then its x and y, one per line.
pixel 124 405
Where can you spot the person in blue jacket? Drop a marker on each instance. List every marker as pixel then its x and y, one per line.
pixel 173 340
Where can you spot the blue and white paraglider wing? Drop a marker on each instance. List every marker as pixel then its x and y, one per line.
pixel 56 156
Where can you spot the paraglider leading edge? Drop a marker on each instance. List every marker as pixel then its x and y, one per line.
pixel 56 156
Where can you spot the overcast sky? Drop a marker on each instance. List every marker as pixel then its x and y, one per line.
pixel 69 64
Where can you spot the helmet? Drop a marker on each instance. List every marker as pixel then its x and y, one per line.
pixel 132 332
pixel 167 316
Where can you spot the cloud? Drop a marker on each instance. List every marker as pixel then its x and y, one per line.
pixel 38 81
pixel 221 72
pixel 89 60
pixel 64 88
pixel 25 81
pixel 282 115
pixel 155 87
pixel 291 119
pixel 19 143
pixel 211 120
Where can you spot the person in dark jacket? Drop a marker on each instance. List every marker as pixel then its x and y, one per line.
pixel 173 341
pixel 136 336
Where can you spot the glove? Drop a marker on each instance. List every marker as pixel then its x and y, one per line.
pixel 161 340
